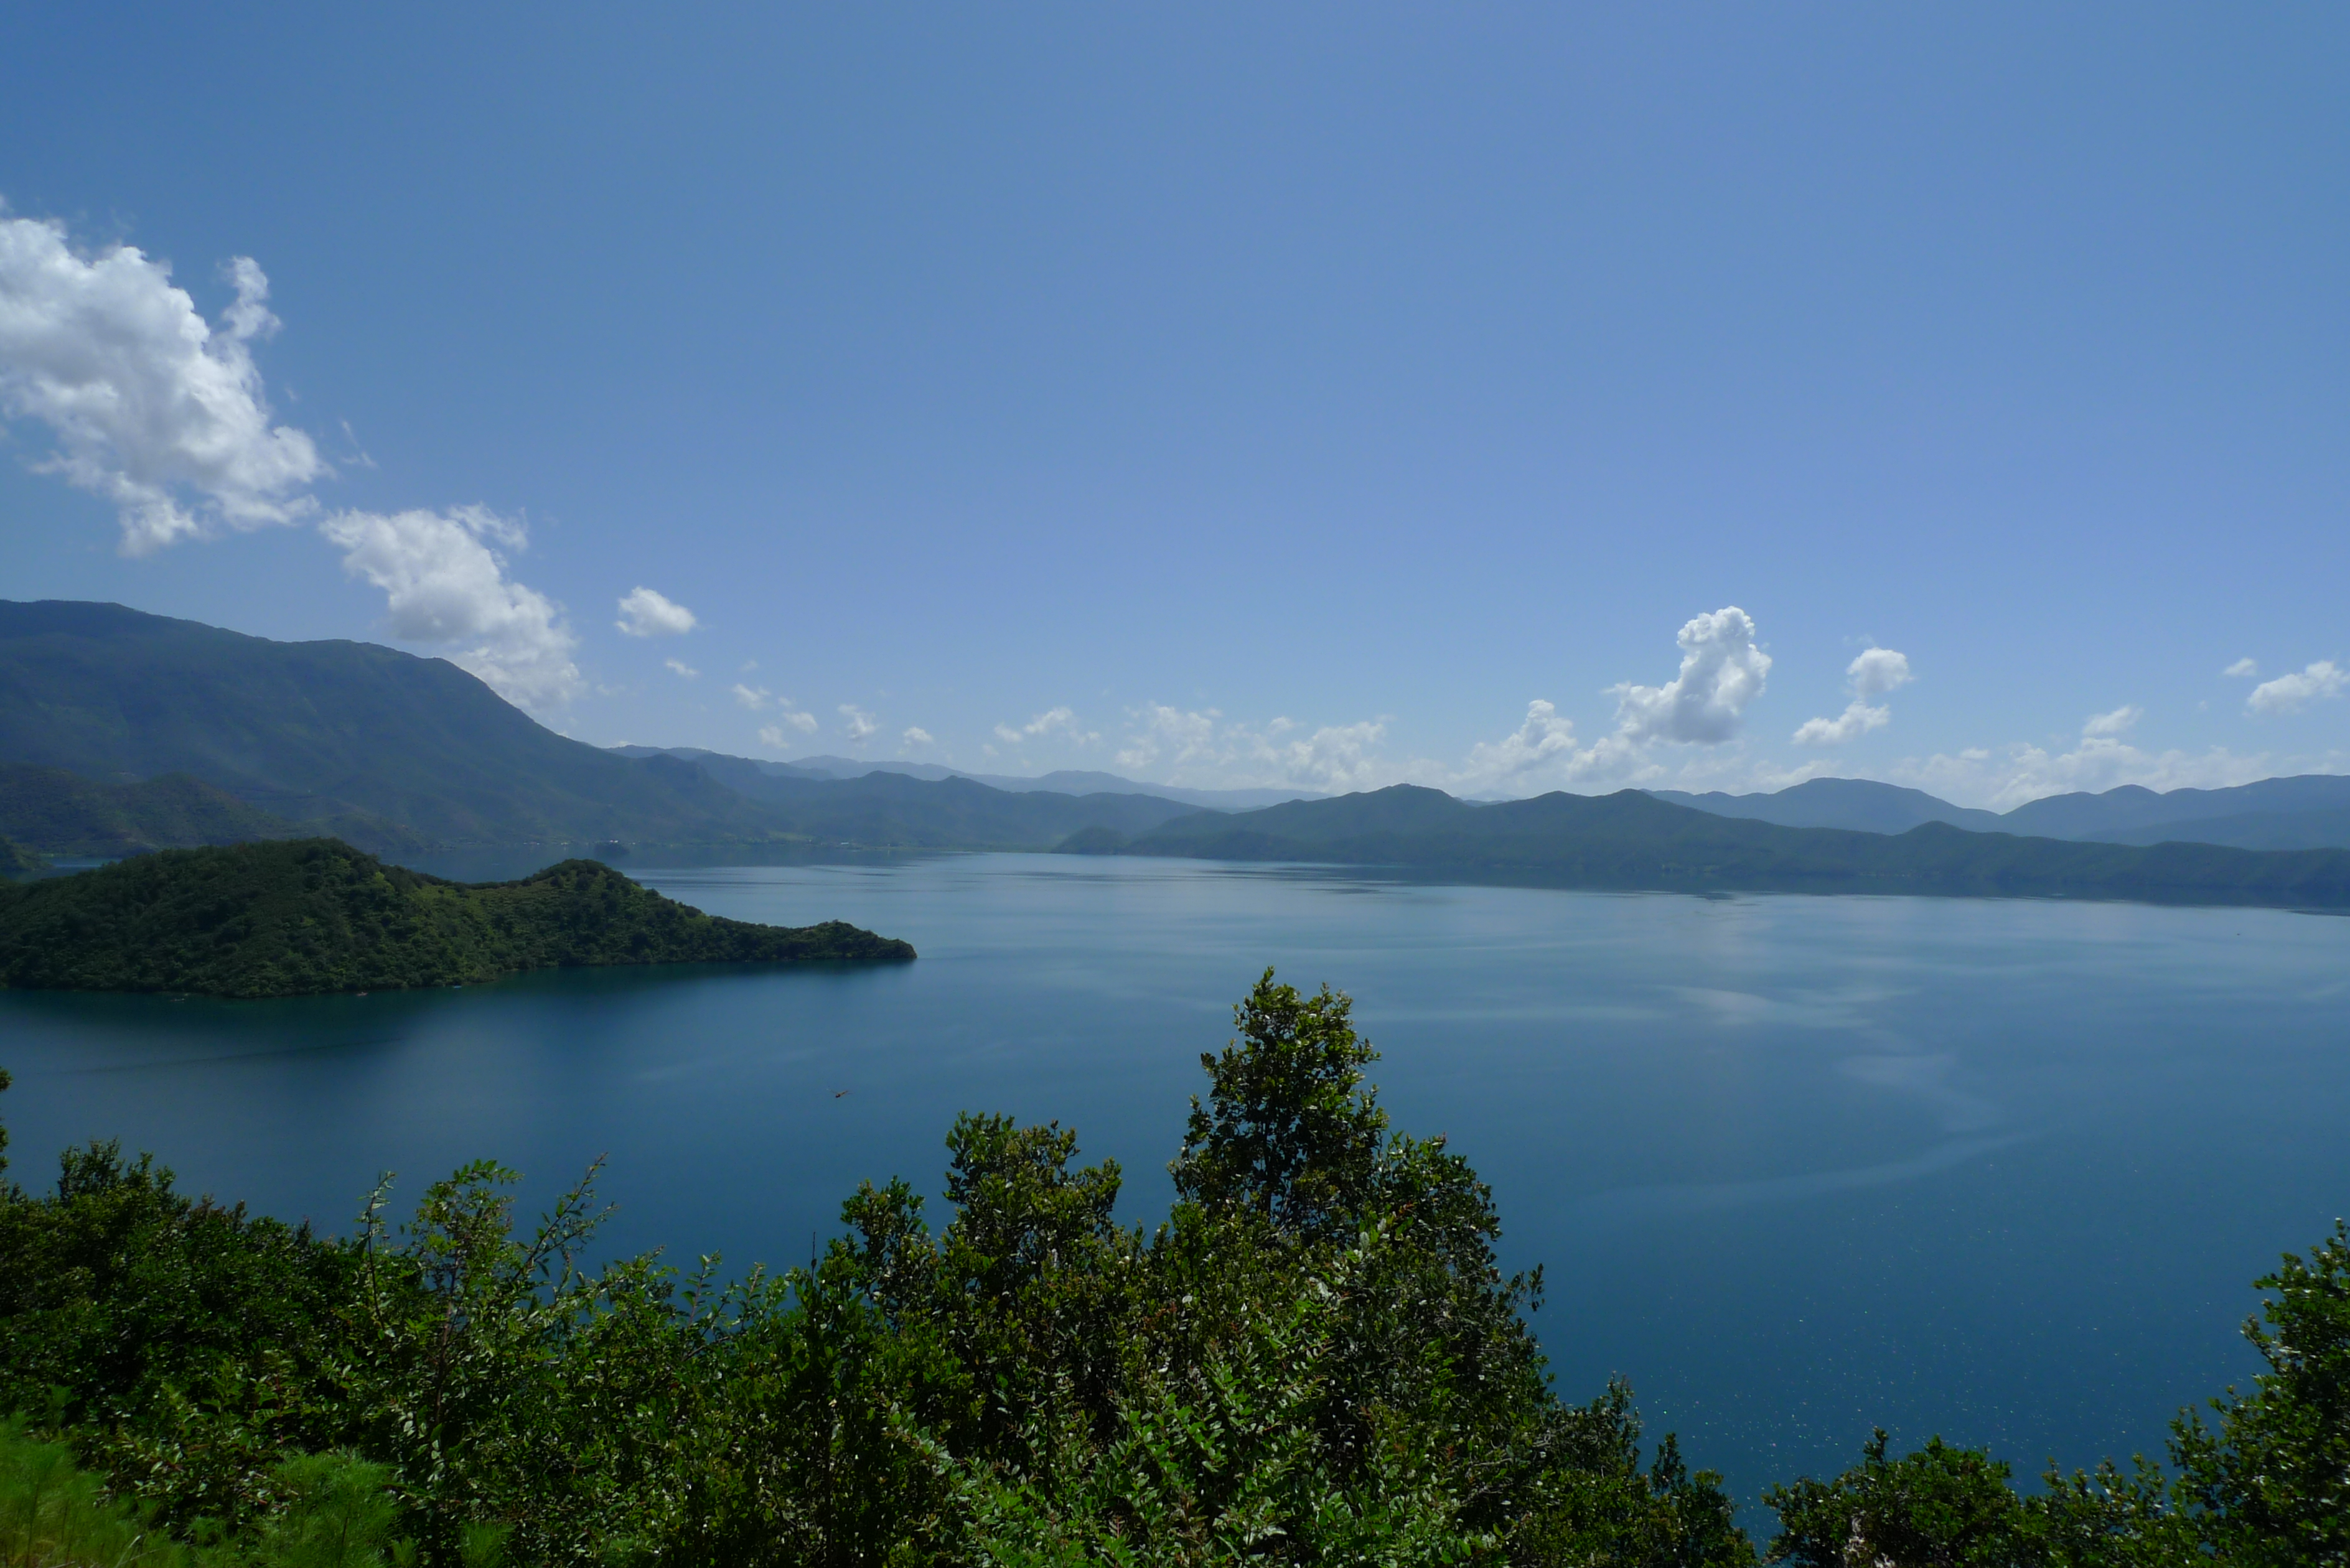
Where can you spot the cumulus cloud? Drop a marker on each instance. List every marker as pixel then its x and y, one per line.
pixel 163 413
pixel 758 699
pixel 2288 693
pixel 645 613
pixel 2100 760
pixel 2243 668
pixel 1544 737
pixel 682 668
pixel 1177 734
pixel 150 406
pixel 1875 674
pixel 1053 721
pixel 772 734
pixel 444 580
pixel 861 726
pixel 1721 672
pixel 916 735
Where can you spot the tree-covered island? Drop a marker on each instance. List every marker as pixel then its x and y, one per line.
pixel 304 917
pixel 1314 1359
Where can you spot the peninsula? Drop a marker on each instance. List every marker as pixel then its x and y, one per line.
pixel 308 917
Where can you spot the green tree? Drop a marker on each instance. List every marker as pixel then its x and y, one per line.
pixel 1286 1131
pixel 2270 1484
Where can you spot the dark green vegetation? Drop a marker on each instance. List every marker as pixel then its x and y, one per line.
pixel 1631 839
pixel 308 916
pixel 65 814
pixel 2308 812
pixel 1314 1360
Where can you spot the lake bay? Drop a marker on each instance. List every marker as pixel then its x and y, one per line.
pixel 1999 1170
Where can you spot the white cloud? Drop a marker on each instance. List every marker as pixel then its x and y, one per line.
pixel 1875 674
pixel 861 726
pixel 2287 693
pixel 1180 736
pixel 445 583
pixel 682 668
pixel 1053 721
pixel 758 700
pixel 2005 779
pixel 164 414
pixel 1721 672
pixel 1544 737
pixel 772 734
pixel 2101 725
pixel 151 407
pixel 916 735
pixel 2243 668
pixel 2099 761
pixel 645 613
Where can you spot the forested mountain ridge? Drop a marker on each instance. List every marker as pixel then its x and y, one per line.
pixel 60 813
pixel 2306 811
pixel 883 808
pixel 400 752
pixel 1060 781
pixel 308 916
pixel 312 731
pixel 1631 839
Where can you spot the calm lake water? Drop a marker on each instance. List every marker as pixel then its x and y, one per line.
pixel 1796 1166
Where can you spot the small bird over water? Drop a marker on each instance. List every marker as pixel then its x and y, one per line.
pixel 838 1093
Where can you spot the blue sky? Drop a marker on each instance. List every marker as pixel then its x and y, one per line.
pixel 1311 395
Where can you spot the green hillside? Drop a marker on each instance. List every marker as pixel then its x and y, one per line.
pixel 1631 839
pixel 315 732
pixel 398 753
pixel 60 813
pixel 310 916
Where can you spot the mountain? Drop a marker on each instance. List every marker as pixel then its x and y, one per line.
pixel 1064 781
pixel 58 812
pixel 1631 839
pixel 2247 830
pixel 2306 812
pixel 2133 810
pixel 891 809
pixel 315 732
pixel 1862 804
pixel 304 917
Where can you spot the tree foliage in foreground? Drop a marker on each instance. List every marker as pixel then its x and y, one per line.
pixel 1314 1359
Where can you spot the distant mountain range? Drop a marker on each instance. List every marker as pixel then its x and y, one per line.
pixel 1633 840
pixel 2311 811
pixel 1064 781
pixel 122 730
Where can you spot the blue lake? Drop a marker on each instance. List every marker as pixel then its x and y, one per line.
pixel 1795 1166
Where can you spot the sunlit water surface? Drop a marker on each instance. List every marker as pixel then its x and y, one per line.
pixel 1796 1166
